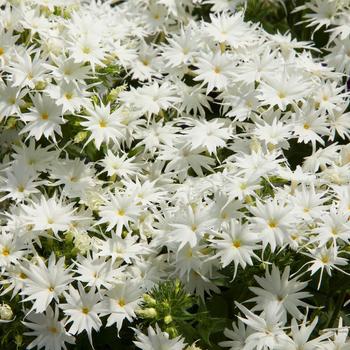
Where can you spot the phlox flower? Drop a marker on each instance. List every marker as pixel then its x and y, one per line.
pixel 268 333
pixel 208 134
pixel 103 125
pixel 45 283
pixel 121 302
pixel 82 309
pixel 283 90
pixel 118 211
pixel 48 329
pixel 235 244
pixel 44 118
pixel 49 214
pixel 158 340
pixel 214 70
pixel 324 258
pixel 300 336
pixel 272 220
pixel 280 291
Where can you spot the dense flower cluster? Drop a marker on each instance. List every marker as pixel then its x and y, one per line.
pixel 152 140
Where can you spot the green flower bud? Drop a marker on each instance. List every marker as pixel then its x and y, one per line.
pixel 18 340
pixel 168 319
pixel 148 313
pixel 80 136
pixel 11 123
pixel 149 300
pixel 172 331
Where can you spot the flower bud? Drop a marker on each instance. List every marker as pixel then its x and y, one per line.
pixel 6 313
pixel 80 136
pixel 149 300
pixel 82 242
pixel 168 319
pixel 148 312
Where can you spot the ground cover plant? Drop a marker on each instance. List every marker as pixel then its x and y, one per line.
pixel 174 174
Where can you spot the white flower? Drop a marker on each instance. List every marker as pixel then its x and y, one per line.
pixel 230 29
pixel 283 90
pixel 118 210
pixel 280 291
pixel 238 336
pixel 271 219
pixel 208 134
pixel 49 331
pixel 236 243
pixel 324 259
pixel 267 329
pixel 118 248
pixel 214 70
pixel 157 340
pixel 121 302
pixel 103 125
pixel 49 214
pixel 300 335
pixel 44 118
pixel 82 310
pixel 43 284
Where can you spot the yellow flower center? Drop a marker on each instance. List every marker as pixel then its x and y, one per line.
pixel 68 95
pixel 53 330
pixel 103 123
pixel 44 116
pixel 121 302
pixel 272 223
pixel 121 212
pixel 85 310
pixel 86 50
pixel 325 259
pixel 5 251
pixel 236 243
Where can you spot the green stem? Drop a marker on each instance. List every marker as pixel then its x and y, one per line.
pixel 337 308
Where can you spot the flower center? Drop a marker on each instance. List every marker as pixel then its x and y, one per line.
pixel 68 95
pixel 121 302
pixel 325 259
pixel 236 243
pixel 22 276
pixel 85 310
pixel 53 330
pixel 272 223
pixel 44 116
pixel 86 50
pixel 121 212
pixel 5 251
pixel 103 123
